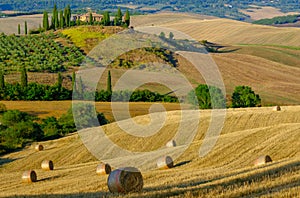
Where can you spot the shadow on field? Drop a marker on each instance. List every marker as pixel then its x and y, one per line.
pixel 6 161
pixel 227 182
pixel 182 163
pixel 37 113
pixel 48 178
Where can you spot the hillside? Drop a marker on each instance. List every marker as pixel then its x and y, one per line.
pixel 226 171
pixel 253 55
pixel 223 31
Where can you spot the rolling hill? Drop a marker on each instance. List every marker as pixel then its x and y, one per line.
pixel 227 171
pixel 263 57
pixel 223 31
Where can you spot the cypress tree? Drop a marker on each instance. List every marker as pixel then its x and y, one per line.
pixel 59 81
pixel 118 18
pixel 66 16
pixel 106 18
pixel 54 21
pixel 24 80
pixel 73 81
pixel 80 88
pixel 91 19
pixel 109 89
pixel 78 22
pixel 25 27
pixel 127 18
pixel 19 29
pixel 45 21
pixel 2 82
pixel 68 21
pixel 61 19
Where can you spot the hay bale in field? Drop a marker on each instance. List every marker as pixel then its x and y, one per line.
pixel 103 169
pixel 47 165
pixel 165 162
pixel 262 160
pixel 29 176
pixel 125 180
pixel 277 108
pixel 171 143
pixel 39 147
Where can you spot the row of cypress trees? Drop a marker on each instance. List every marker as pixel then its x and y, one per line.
pixel 59 19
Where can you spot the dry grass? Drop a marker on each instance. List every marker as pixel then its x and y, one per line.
pixel 227 171
pixel 223 31
pixel 10 25
pixel 265 12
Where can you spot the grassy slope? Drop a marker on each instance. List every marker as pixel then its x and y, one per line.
pixel 87 37
pixel 227 171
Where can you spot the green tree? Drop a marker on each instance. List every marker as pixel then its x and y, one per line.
pixel 109 89
pixel 55 22
pixel 91 21
pixel 171 35
pixel 59 81
pixel 106 19
pixel 162 35
pixel 127 18
pixel 207 97
pixel 244 96
pixel 19 29
pixel 25 27
pixel 61 19
pixel 87 116
pixel 51 128
pixel 73 81
pixel 24 79
pixel 2 81
pixel 67 16
pixel 118 17
pixel 45 21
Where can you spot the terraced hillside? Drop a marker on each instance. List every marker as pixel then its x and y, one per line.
pixel 227 171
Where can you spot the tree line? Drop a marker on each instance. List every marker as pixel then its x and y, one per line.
pixel 278 20
pixel 62 18
pixel 19 128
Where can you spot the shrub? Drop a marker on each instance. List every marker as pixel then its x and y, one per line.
pixel 207 97
pixel 243 96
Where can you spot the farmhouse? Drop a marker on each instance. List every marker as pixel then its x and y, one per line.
pixel 86 17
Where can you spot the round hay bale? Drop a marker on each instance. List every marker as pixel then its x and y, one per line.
pixel 125 180
pixel 277 108
pixel 171 143
pixel 47 165
pixel 39 147
pixel 29 176
pixel 165 162
pixel 103 169
pixel 262 160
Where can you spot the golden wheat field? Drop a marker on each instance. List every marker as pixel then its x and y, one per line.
pixel 257 13
pixel 223 31
pixel 265 58
pixel 227 171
